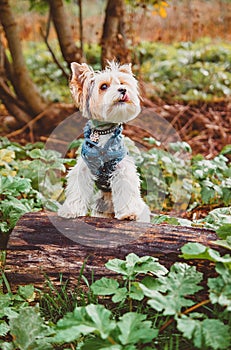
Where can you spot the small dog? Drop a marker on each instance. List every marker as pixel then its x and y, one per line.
pixel 104 180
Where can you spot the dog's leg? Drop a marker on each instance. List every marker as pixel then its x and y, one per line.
pixel 102 205
pixel 125 185
pixel 79 191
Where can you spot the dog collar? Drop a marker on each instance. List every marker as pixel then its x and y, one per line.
pixel 96 133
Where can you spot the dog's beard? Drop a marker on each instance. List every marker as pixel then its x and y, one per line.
pixel 113 107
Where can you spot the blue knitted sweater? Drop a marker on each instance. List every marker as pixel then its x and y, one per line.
pixel 102 160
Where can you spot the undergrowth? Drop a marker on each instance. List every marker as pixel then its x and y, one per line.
pixel 31 178
pixel 146 307
pixel 185 71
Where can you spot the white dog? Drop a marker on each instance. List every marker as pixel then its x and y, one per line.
pixel 104 180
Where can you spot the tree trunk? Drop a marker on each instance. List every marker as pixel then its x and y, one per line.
pixel 12 104
pixel 22 82
pixel 69 50
pixel 114 38
pixel 41 246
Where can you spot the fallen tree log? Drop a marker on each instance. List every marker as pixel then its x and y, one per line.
pixel 44 244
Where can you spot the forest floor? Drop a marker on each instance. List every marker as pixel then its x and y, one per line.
pixel 205 127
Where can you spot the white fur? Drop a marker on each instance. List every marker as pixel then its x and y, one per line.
pixel 124 201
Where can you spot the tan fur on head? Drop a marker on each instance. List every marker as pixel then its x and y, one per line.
pixel 109 95
pixel 80 73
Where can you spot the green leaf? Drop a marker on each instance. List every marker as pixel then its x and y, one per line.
pixel 220 287
pixel 27 292
pixel 207 333
pixel 100 344
pixel 105 286
pixel 199 251
pixel 224 243
pixel 134 265
pixel 101 319
pixel 14 185
pixel 226 149
pixel 224 231
pixel 7 346
pixel 83 321
pixel 117 265
pixel 4 328
pixel 180 282
pixel 136 293
pixel 120 295
pixel 28 330
pixel 134 329
pixel 207 193
pixel 218 217
pixel 216 334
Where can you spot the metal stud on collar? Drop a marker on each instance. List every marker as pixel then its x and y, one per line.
pixel 96 133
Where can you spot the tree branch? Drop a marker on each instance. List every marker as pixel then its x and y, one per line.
pixel 45 38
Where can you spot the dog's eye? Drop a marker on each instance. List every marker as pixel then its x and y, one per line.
pixel 103 87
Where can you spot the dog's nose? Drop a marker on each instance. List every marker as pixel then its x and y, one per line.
pixel 122 90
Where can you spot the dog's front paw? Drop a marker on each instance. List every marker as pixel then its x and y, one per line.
pixel 131 217
pixel 140 213
pixel 70 212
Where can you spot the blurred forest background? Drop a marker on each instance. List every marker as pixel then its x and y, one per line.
pixel 180 50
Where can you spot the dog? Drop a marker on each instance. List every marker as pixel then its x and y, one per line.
pixel 104 181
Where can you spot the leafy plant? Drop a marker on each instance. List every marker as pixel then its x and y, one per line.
pixel 167 300
pixel 172 181
pixel 187 71
pixel 28 180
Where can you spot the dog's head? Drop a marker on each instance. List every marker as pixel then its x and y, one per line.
pixel 110 95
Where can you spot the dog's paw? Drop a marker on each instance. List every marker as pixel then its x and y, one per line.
pixel 68 212
pixel 131 217
pixel 141 214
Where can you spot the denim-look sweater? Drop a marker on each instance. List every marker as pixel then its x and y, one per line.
pixel 102 160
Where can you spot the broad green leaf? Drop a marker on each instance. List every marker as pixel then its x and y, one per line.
pixel 85 320
pixel 120 295
pixel 101 318
pixel 29 331
pixel 224 243
pixel 134 329
pixel 220 287
pixel 210 333
pixel 224 231
pixel 199 251
pixel 216 334
pixel 134 265
pixel 147 264
pixel 136 292
pixel 182 281
pixel 27 292
pixel 105 286
pixel 117 265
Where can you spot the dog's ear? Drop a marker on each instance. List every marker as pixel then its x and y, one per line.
pixel 79 74
pixel 126 68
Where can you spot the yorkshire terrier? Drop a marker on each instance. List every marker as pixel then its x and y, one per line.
pixel 104 181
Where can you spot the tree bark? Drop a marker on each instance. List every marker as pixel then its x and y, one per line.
pixel 12 104
pixel 41 246
pixel 70 52
pixel 26 90
pixel 114 38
